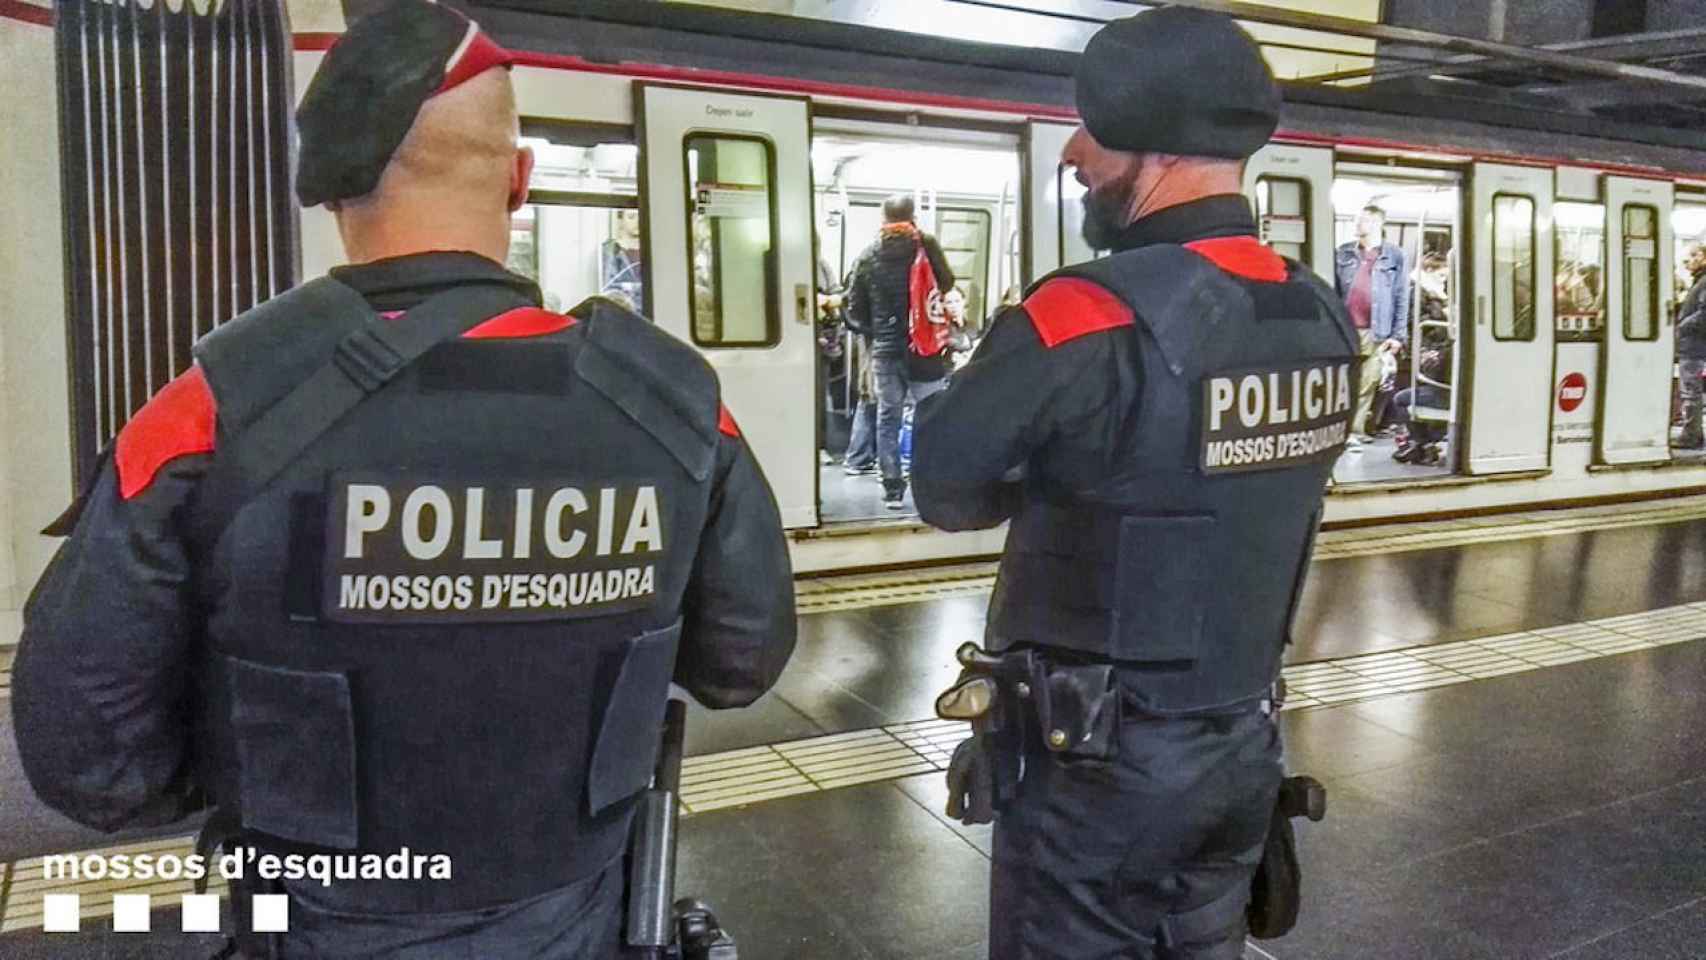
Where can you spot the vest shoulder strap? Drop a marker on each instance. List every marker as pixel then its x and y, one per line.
pixel 1332 306
pixel 369 354
pixel 1178 296
pixel 254 359
pixel 659 382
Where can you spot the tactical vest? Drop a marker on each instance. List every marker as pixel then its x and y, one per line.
pixel 1185 570
pixel 449 625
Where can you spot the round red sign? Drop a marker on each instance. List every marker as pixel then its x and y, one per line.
pixel 1572 390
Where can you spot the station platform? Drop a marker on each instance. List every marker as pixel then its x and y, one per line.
pixel 1505 710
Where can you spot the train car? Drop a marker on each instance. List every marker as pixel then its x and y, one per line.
pixel 722 170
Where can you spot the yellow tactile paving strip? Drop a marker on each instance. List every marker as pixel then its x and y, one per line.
pixel 856 591
pixel 742 777
pixel 21 908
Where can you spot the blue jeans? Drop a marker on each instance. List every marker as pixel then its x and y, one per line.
pixel 1691 387
pixel 1421 431
pixel 893 392
pixel 862 439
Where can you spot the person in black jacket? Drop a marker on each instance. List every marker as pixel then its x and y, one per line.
pixel 446 617
pixel 878 306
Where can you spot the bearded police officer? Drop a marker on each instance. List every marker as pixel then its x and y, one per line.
pixel 1157 426
pixel 405 563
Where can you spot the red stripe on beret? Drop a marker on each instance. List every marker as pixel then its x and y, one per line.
pixel 475 55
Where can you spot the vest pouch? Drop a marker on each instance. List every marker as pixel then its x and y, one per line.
pixel 295 739
pixel 1162 588
pixel 626 753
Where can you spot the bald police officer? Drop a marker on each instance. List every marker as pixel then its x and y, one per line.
pixel 405 564
pixel 1157 427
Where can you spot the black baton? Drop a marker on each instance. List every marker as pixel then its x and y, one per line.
pixel 651 882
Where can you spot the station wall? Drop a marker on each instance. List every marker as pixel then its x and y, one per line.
pixel 35 452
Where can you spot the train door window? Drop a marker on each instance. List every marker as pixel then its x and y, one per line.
pixel 1282 209
pixel 1640 272
pixel 1513 267
pixel 1579 280
pixel 1688 232
pixel 1409 415
pixel 731 220
pixel 578 235
pixel 964 185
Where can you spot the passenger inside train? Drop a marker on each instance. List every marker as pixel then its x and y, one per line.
pixel 1395 268
pixel 963 190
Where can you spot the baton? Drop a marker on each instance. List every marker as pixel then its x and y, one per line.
pixel 651 883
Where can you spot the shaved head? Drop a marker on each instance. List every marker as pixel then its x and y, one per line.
pixel 462 140
pixel 453 181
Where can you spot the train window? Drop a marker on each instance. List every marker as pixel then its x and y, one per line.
pixel 1513 267
pixel 731 223
pixel 579 234
pixel 1640 272
pixel 1578 234
pixel 1282 208
pixel 963 233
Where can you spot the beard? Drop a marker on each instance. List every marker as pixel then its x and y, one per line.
pixel 1107 212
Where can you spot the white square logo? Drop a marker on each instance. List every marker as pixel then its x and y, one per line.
pixel 61 913
pixel 130 912
pixel 270 913
pixel 201 913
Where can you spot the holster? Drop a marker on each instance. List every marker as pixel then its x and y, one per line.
pixel 1077 709
pixel 1071 709
pixel 1276 890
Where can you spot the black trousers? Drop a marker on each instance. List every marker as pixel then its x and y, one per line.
pixel 1148 856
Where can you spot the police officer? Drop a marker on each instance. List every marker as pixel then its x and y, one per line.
pixel 1157 427
pixel 405 564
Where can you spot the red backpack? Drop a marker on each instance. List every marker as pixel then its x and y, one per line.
pixel 927 320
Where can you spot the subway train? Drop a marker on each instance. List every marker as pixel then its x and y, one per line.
pixel 722 171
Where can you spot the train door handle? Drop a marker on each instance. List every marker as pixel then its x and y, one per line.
pixel 1480 311
pixel 803 303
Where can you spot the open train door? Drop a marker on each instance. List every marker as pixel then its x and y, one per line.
pixel 1640 335
pixel 1055 201
pixel 728 261
pixel 1509 424
pixel 1291 190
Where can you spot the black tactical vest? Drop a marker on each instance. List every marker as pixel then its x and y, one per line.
pixel 1186 569
pixel 450 624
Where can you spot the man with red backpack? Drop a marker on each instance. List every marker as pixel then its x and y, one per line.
pixel 890 300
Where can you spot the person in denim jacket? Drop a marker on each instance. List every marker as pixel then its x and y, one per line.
pixel 1373 278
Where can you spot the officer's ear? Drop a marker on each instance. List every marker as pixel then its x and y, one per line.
pixel 520 176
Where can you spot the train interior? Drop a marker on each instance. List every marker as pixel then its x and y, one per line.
pixel 1411 403
pixel 965 187
pixel 581 235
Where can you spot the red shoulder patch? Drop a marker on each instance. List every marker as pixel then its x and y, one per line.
pixel 1067 308
pixel 522 322
pixel 179 421
pixel 726 422
pixel 1244 257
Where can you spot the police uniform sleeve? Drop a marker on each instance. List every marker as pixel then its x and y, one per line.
pixel 972 441
pixel 739 625
pixel 100 682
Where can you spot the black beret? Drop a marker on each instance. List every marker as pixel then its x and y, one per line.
pixel 1177 80
pixel 364 98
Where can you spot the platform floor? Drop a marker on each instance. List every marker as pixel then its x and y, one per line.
pixel 1510 732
